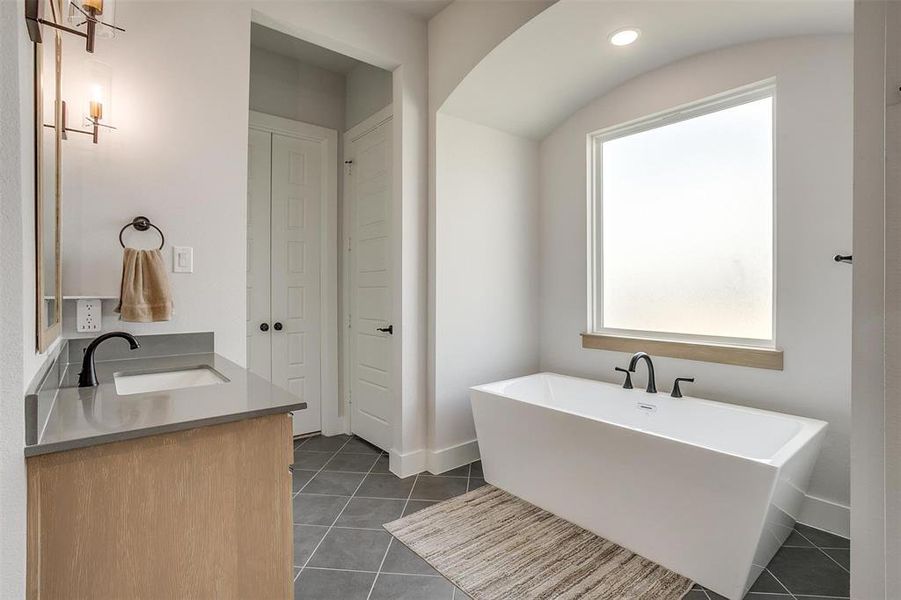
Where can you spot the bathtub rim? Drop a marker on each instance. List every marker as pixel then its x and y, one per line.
pixel 807 432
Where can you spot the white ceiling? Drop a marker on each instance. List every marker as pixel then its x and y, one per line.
pixel 300 50
pixel 561 59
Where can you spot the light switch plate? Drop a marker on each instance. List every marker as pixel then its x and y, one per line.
pixel 182 259
pixel 89 314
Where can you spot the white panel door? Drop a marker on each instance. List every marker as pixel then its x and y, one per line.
pixel 370 285
pixel 297 188
pixel 259 167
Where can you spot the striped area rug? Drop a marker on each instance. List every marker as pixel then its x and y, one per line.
pixel 495 546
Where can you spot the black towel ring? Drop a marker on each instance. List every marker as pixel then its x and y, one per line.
pixel 142 224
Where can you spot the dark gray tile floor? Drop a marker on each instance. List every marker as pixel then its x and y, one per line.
pixel 344 493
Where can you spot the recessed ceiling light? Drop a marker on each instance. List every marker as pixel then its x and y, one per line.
pixel 624 37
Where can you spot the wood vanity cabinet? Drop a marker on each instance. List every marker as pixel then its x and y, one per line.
pixel 200 513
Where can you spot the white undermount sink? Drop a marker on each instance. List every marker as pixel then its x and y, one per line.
pixel 140 383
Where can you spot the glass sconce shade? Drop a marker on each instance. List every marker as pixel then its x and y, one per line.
pixel 104 11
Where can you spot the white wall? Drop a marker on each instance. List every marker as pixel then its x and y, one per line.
pixel 13 188
pixel 874 439
pixel 475 172
pixel 291 89
pixel 19 362
pixel 179 157
pixel 892 359
pixel 813 324
pixel 486 280
pixel 368 91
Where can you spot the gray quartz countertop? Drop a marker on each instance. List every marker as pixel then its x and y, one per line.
pixel 81 417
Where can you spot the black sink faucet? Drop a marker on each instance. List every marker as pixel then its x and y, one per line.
pixel 652 383
pixel 88 376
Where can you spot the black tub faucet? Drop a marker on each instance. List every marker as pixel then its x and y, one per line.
pixel 677 392
pixel 627 384
pixel 88 375
pixel 652 383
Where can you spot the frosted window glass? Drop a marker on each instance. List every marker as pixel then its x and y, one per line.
pixel 687 212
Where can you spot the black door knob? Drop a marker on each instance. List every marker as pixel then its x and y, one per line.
pixel 277 326
pixel 264 326
pixel 389 329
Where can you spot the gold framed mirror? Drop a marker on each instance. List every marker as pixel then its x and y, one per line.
pixel 48 126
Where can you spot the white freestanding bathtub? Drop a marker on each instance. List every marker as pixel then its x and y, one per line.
pixel 706 489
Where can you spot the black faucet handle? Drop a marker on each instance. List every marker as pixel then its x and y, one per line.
pixel 677 393
pixel 627 385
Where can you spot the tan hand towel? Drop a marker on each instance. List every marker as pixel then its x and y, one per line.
pixel 144 296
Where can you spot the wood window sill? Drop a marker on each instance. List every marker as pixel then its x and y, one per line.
pixel 744 356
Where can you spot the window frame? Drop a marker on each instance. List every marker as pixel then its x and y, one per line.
pixel 596 334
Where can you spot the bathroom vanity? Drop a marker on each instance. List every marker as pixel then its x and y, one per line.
pixel 140 492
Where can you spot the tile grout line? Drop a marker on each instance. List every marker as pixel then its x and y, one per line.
pixel 334 454
pixel 340 512
pixel 371 497
pixel 294 495
pixel 841 566
pixel 310 557
pixel 391 539
pixel 372 572
pixel 779 581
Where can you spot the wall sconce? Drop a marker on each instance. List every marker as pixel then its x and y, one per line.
pixel 97 15
pixel 97 94
pixel 95 111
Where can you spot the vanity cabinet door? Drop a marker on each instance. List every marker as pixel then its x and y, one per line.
pixel 202 513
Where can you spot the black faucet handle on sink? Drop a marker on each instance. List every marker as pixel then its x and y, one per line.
pixel 677 393
pixel 627 384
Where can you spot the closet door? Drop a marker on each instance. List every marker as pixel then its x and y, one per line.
pixel 297 188
pixel 259 168
pixel 372 367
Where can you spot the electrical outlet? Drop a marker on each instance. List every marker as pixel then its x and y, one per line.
pixel 89 314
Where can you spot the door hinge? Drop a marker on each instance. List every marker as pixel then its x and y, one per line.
pixel 349 165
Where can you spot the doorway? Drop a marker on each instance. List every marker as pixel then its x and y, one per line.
pixel 309 105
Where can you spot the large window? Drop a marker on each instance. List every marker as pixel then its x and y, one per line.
pixel 682 237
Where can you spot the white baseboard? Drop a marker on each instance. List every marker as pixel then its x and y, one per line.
pixel 404 465
pixel 334 426
pixel 433 461
pixel 826 515
pixel 439 461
